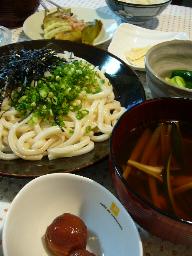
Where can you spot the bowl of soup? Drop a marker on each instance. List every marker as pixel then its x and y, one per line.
pixel 150 165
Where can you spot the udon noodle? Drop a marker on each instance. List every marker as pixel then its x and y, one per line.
pixel 19 138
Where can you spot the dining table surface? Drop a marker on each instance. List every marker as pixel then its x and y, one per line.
pixel 174 18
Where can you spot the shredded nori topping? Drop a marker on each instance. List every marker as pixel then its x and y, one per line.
pixel 21 67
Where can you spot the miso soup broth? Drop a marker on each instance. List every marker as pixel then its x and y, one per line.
pixel 158 166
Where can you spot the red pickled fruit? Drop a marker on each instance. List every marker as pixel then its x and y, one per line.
pixel 67 233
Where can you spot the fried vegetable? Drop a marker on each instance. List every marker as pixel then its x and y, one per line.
pixel 74 36
pixel 91 31
pixel 52 17
pixel 58 23
pixel 64 25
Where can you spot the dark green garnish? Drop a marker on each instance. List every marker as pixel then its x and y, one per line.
pixel 185 74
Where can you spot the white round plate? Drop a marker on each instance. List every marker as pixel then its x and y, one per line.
pixel 32 26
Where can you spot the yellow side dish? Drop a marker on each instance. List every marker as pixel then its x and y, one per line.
pixel 136 55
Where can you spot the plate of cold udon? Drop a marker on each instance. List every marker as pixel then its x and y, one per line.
pixel 59 104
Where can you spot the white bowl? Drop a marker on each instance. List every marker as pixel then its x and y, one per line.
pixel 112 232
pixel 137 13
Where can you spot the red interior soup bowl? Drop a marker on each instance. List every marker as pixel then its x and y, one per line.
pixel 151 166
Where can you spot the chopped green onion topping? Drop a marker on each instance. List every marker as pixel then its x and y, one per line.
pixel 54 95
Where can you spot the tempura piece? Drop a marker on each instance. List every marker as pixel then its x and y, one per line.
pixel 64 25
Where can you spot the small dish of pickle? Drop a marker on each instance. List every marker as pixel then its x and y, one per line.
pixel 168 68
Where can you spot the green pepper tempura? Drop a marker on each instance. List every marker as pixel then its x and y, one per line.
pixel 55 94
